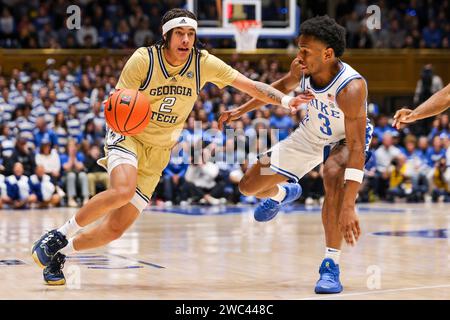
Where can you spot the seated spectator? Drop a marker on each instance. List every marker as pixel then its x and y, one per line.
pixel 75 175
pixel 43 133
pixel 382 127
pixel 400 182
pixel 201 185
pixel 173 176
pixel 440 185
pixel 42 187
pixel 48 158
pixel 3 192
pixel 312 184
pixel 18 191
pixel 22 153
pixel 435 152
pixel 95 173
pixel 384 156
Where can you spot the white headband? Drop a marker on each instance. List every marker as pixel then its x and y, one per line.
pixel 179 22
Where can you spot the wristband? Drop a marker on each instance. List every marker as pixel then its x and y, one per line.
pixel 354 174
pixel 285 101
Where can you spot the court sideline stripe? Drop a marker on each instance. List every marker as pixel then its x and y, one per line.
pixel 139 261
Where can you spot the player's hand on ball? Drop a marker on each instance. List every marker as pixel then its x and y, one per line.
pixel 228 116
pixel 300 99
pixel 349 225
pixel 403 116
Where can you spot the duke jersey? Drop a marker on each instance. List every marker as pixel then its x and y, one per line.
pixel 325 120
pixel 172 90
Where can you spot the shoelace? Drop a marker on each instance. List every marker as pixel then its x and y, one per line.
pixel 269 204
pixel 327 274
pixel 57 265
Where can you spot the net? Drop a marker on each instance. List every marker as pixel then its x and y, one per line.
pixel 246 34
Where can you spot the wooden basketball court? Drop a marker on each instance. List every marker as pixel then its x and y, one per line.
pixel 222 253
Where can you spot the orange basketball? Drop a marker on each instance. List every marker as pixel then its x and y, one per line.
pixel 127 111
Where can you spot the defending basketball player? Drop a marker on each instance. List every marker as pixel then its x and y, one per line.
pixel 437 103
pixel 335 131
pixel 172 75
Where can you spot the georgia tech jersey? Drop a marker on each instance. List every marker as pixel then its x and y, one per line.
pixel 172 90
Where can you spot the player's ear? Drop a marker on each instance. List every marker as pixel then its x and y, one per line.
pixel 328 54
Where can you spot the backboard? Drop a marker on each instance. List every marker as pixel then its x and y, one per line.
pixel 279 18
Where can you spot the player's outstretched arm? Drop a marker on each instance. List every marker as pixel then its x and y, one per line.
pixel 436 104
pixel 352 101
pixel 284 85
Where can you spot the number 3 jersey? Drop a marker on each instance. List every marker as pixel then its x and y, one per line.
pixel 172 90
pixel 324 121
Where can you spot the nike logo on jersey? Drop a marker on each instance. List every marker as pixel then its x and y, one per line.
pixel 325 109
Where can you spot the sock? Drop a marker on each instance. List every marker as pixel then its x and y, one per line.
pixel 69 248
pixel 70 227
pixel 280 195
pixel 333 254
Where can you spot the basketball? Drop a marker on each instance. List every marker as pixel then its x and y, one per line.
pixel 127 111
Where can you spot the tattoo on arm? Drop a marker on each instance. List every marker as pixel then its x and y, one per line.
pixel 269 91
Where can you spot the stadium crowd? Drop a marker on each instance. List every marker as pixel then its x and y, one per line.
pixel 52 125
pixel 52 130
pixel 116 24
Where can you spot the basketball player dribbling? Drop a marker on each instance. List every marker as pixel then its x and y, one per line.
pixel 172 75
pixel 335 131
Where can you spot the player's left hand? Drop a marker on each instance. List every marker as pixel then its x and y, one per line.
pixel 228 116
pixel 349 225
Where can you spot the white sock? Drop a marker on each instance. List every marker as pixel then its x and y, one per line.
pixel 280 195
pixel 69 248
pixel 333 254
pixel 70 227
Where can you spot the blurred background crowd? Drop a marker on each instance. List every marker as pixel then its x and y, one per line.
pixel 134 23
pixel 52 125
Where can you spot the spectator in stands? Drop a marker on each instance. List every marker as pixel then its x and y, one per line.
pixel 18 193
pixel 400 182
pixel 200 182
pixel 43 133
pixel 48 158
pixel 384 156
pixel 143 35
pixel 281 120
pixel 61 131
pixel 436 152
pixel 7 142
pixel 382 127
pixel 87 29
pixel 312 185
pixel 173 174
pixel 22 153
pixel 432 35
pixel 428 84
pixel 43 189
pixel 75 175
pixel 97 176
pixel 440 185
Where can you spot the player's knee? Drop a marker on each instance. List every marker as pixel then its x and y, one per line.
pixel 115 231
pixel 123 194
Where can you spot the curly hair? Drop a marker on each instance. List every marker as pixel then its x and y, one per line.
pixel 326 30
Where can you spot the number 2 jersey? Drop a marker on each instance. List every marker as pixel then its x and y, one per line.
pixel 324 122
pixel 172 90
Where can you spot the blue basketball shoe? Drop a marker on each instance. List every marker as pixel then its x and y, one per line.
pixel 269 208
pixel 47 246
pixel 53 274
pixel 329 278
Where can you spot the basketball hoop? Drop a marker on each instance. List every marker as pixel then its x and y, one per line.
pixel 246 34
